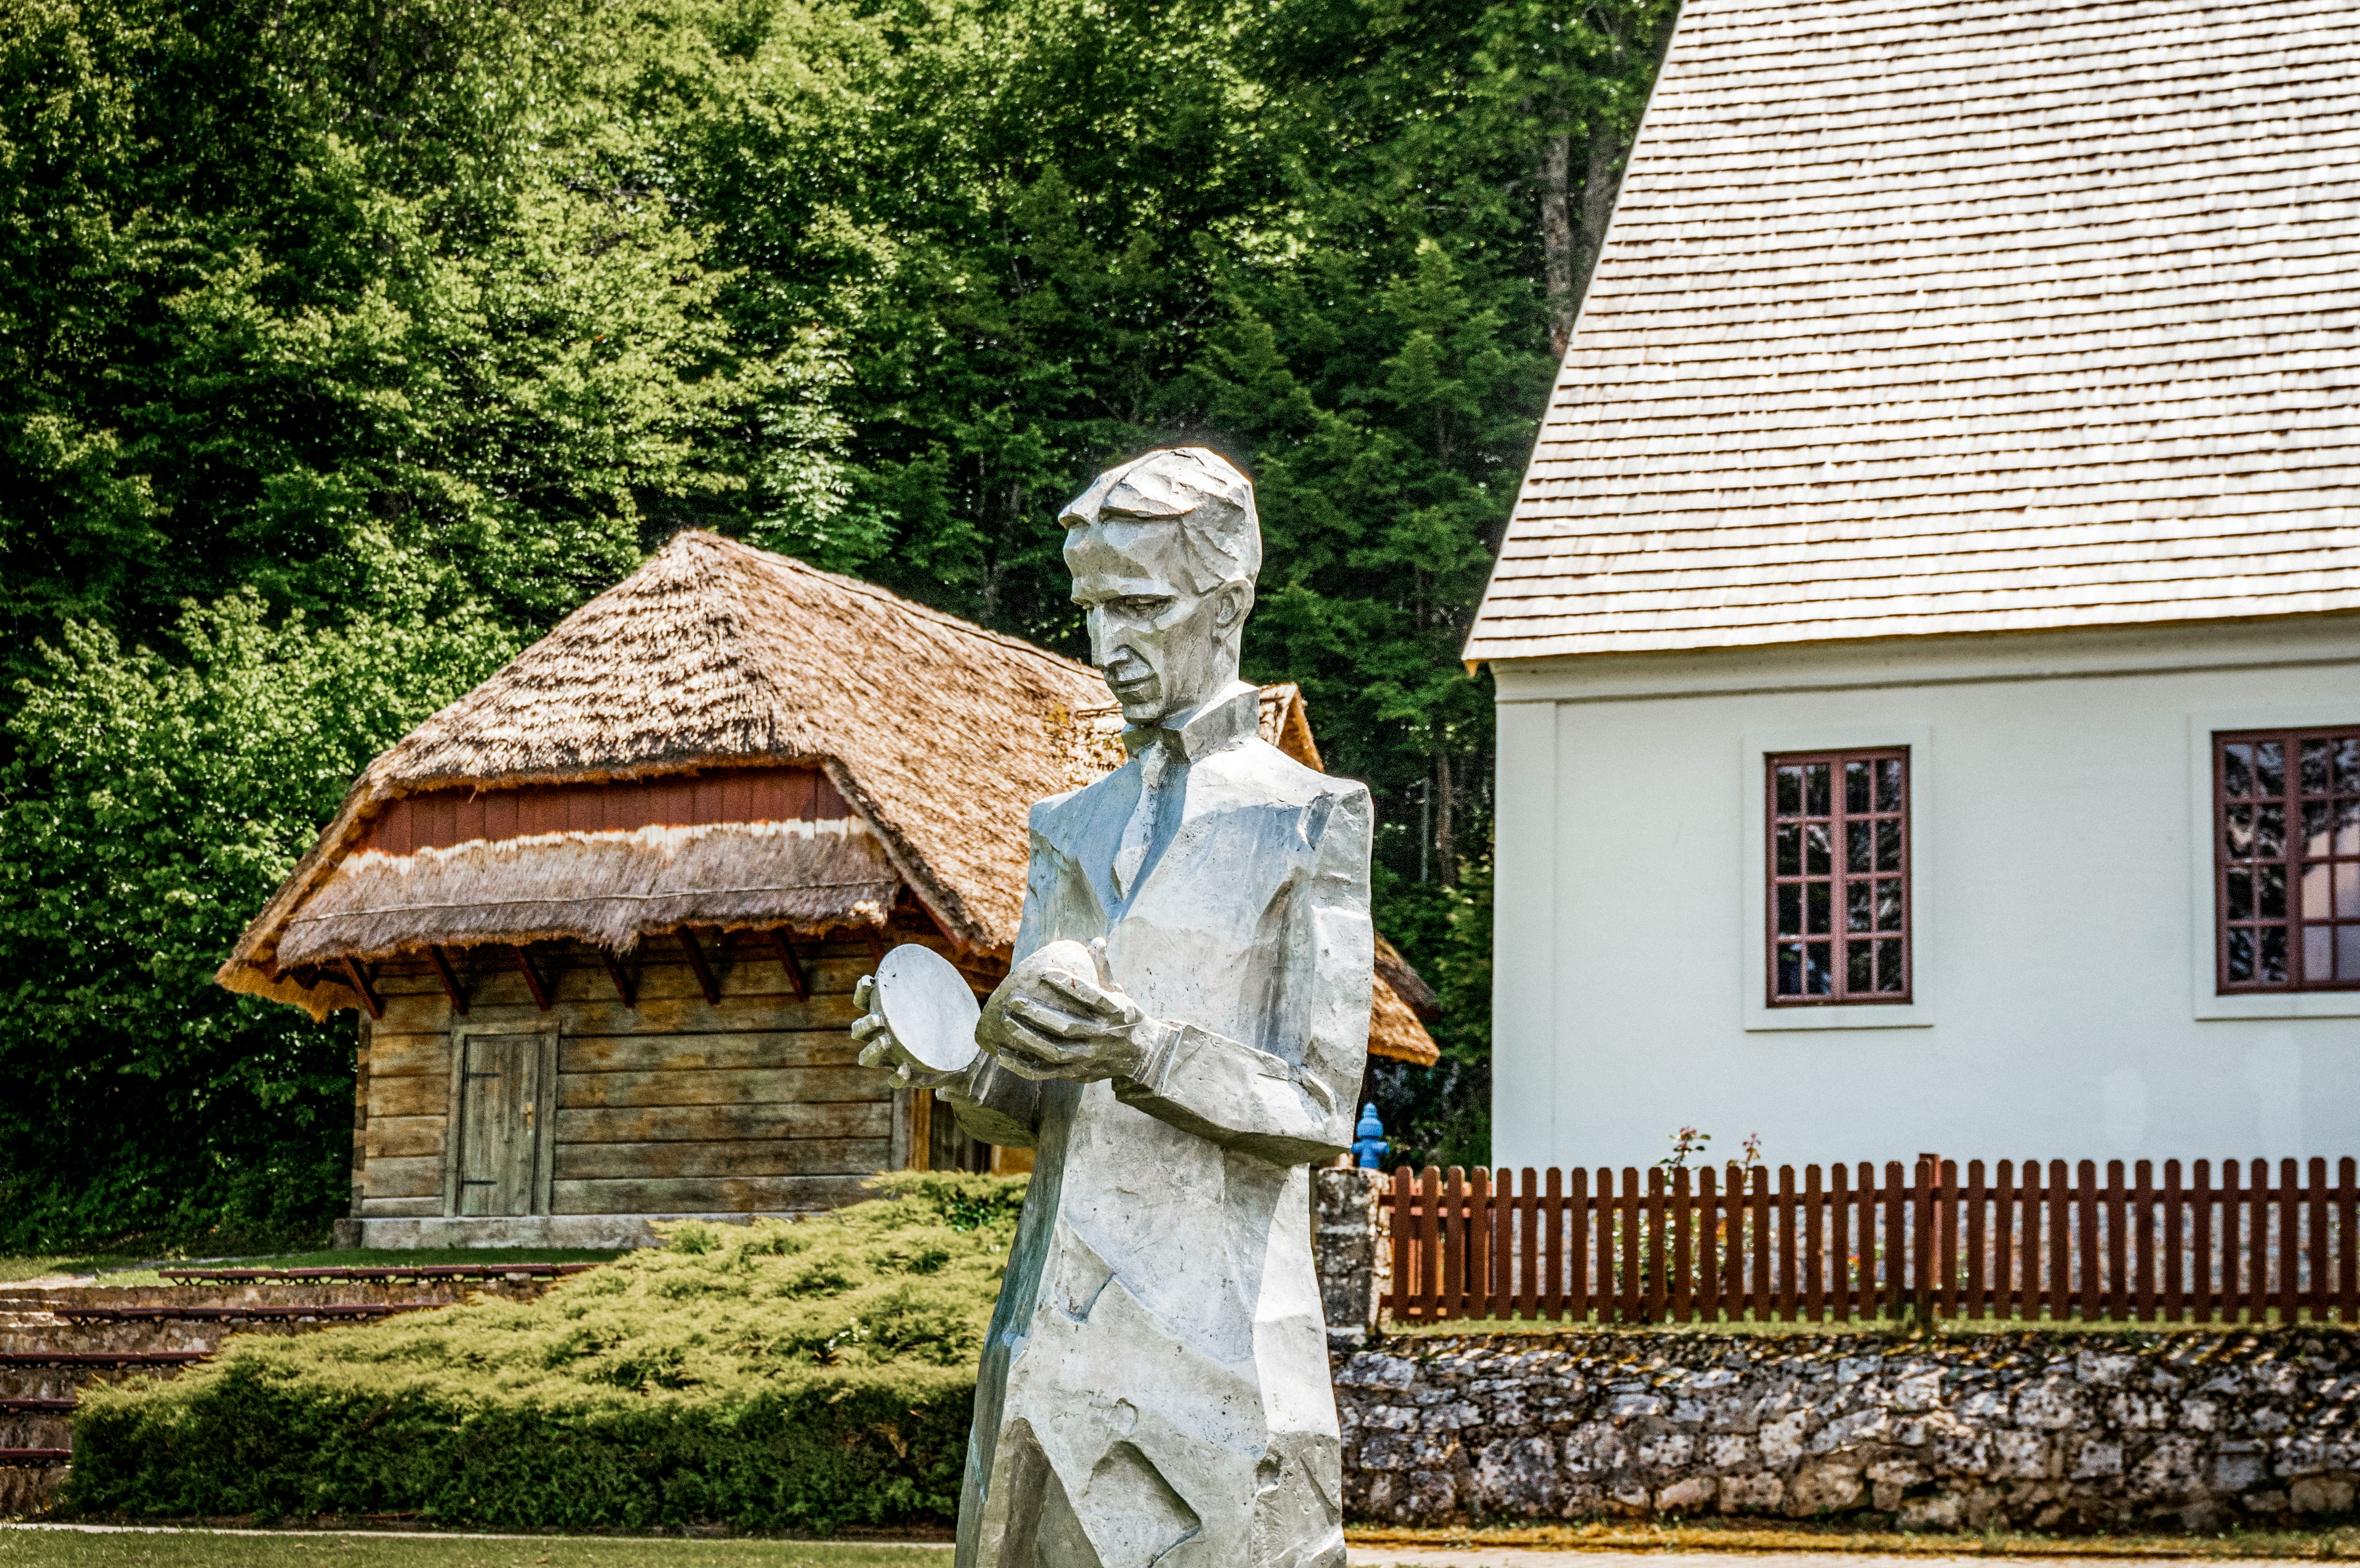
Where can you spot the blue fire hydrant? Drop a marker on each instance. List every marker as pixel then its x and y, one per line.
pixel 1368 1143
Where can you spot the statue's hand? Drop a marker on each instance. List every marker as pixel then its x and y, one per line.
pixel 1050 1022
pixel 879 1049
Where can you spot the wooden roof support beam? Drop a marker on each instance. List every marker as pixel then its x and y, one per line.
pixel 621 977
pixel 358 970
pixel 532 980
pixel 959 945
pixel 451 987
pixel 784 946
pixel 704 980
pixel 876 935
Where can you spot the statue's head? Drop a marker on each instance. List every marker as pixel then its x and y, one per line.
pixel 1164 550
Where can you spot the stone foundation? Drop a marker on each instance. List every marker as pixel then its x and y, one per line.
pixel 520 1230
pixel 2046 1430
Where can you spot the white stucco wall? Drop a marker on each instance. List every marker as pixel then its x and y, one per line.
pixel 2063 905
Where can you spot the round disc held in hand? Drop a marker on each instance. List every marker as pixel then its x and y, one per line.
pixel 929 1006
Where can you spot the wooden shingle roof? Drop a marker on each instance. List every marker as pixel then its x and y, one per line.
pixel 1959 317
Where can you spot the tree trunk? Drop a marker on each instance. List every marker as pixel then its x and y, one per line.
pixel 1559 247
pixel 1597 189
pixel 1570 239
pixel 1445 849
pixel 1573 231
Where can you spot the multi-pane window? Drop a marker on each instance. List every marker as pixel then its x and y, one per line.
pixel 1839 877
pixel 2287 852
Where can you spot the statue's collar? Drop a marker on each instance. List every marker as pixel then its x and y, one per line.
pixel 1221 721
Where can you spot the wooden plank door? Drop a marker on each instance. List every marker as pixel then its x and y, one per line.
pixel 497 1112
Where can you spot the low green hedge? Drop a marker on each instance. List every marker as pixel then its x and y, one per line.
pixel 802 1374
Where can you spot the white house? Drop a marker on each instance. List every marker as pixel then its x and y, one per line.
pixel 1928 641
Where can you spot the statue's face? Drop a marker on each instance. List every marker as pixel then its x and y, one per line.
pixel 1162 647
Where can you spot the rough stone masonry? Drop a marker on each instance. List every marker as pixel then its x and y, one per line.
pixel 2050 1431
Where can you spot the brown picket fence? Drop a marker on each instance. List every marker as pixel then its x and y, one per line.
pixel 2011 1242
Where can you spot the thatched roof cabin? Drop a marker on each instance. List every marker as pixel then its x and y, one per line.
pixel 628 883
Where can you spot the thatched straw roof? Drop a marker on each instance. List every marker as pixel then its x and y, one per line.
pixel 725 737
pixel 1406 983
pixel 606 887
pixel 714 655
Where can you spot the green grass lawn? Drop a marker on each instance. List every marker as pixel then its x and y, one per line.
pixel 112 1269
pixel 200 1549
pixel 16 1266
pixel 1886 1326
pixel 386 1257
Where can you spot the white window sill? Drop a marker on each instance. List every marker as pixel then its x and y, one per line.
pixel 2284 1005
pixel 1761 1017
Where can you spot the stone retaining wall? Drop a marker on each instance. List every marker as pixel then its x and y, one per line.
pixel 2047 1431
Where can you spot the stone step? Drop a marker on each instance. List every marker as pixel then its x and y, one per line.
pixel 47 1382
pixel 540 1275
pixel 49 1298
pixel 77 1323
pixel 242 1313
pixel 23 1432
pixel 28 1339
pixel 67 1383
pixel 101 1360
pixel 200 1335
pixel 28 1489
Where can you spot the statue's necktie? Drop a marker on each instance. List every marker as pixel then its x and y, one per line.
pixel 1139 834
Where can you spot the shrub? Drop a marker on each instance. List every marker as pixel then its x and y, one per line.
pixel 781 1374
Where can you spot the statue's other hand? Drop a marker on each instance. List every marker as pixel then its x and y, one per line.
pixel 879 1049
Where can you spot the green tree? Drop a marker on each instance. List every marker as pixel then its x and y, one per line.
pixel 1567 87
pixel 151 806
pixel 335 300
pixel 1001 208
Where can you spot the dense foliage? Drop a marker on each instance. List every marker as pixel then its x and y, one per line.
pixel 149 806
pixel 772 1376
pixel 370 337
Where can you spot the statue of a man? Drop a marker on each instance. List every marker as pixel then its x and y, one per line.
pixel 1155 1387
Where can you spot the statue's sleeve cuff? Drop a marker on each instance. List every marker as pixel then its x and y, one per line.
pixel 1162 1050
pixel 993 1104
pixel 1235 1096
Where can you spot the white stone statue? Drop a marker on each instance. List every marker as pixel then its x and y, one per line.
pixel 1181 1034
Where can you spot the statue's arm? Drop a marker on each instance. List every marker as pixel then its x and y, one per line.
pixel 1239 1097
pixel 992 1104
pixel 1249 1100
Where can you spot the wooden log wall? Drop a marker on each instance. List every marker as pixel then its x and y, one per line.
pixel 754 1102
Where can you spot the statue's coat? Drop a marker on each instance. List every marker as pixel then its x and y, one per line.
pixel 1155 1385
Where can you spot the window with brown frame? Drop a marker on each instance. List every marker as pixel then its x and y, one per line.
pixel 2286 850
pixel 1839 877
